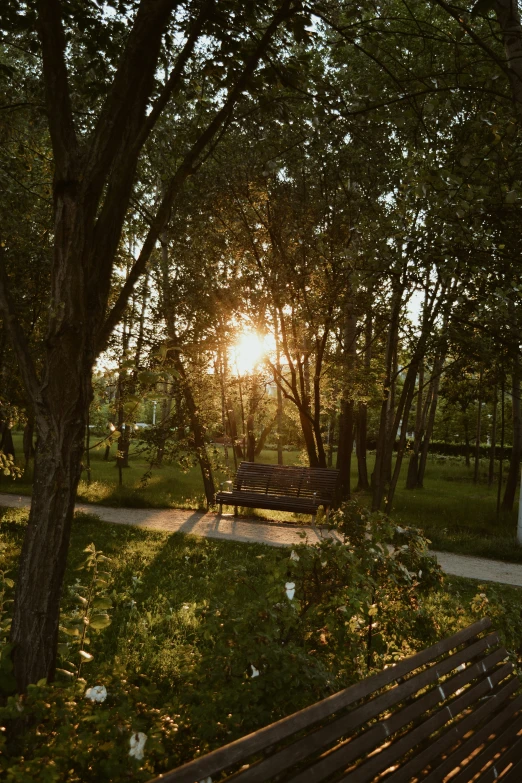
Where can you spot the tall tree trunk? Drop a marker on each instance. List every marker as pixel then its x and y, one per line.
pixel 478 433
pixel 491 471
pixel 437 368
pixel 516 450
pixel 28 439
pixel 467 446
pixel 60 420
pixel 408 393
pixel 382 458
pixel 420 420
pixel 347 413
pixel 362 413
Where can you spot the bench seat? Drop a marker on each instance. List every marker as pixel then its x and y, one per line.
pixel 281 488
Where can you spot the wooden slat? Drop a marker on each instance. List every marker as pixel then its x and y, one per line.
pixel 502 740
pixel 240 750
pixel 514 775
pixel 341 757
pixel 464 752
pixel 342 726
pixel 459 730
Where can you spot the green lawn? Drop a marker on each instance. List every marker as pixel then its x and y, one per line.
pixel 190 617
pixel 456 514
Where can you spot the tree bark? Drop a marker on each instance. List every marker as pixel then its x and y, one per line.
pixel 347 414
pixel 478 432
pixel 60 428
pixel 491 471
pixel 516 449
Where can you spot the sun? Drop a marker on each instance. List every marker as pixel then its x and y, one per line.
pixel 247 352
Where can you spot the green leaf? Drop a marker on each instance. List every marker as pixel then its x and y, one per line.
pixel 64 673
pixel 102 603
pixel 99 621
pixel 86 656
pixel 511 197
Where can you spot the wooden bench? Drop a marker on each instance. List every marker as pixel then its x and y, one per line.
pixel 451 712
pixel 281 488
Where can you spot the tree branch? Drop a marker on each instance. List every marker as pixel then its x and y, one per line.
pixel 188 166
pixel 61 126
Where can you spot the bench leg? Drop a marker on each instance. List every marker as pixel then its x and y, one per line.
pixel 220 509
pixel 327 515
pixel 235 511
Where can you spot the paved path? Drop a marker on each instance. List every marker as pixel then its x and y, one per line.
pixel 228 528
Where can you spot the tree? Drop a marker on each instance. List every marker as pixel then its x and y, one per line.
pixel 97 137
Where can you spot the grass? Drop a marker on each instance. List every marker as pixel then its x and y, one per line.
pixel 164 640
pixel 456 514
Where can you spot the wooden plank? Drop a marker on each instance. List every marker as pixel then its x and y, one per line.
pixel 514 775
pixel 455 733
pixel 501 741
pixel 243 748
pixel 480 737
pixel 339 758
pixel 312 743
pixel 393 753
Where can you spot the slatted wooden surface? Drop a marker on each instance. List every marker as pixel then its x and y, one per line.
pixel 452 712
pixel 281 487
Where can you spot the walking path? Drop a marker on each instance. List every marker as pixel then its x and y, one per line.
pixel 228 528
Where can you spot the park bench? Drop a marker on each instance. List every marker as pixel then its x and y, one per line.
pixel 452 712
pixel 281 488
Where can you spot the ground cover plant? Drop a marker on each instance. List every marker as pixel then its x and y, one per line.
pixel 456 514
pixel 198 642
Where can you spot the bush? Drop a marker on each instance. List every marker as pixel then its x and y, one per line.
pixel 320 618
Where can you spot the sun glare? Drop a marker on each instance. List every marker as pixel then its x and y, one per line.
pixel 247 352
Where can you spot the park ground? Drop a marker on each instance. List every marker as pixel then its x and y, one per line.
pixel 187 618
pixel 453 512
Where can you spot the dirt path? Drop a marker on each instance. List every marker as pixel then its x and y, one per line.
pixel 228 528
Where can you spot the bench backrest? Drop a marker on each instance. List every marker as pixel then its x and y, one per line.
pixel 454 706
pixel 287 480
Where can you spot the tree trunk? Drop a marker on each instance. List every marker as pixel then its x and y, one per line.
pixel 347 414
pixel 60 429
pixel 478 434
pixel 437 369
pixel 265 432
pixel 28 439
pixel 362 414
pixel 467 446
pixel 420 420
pixel 491 471
pixel 308 434
pixel 516 450
pixel 382 456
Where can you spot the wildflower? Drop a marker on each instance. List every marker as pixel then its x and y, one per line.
pixel 255 672
pixel 290 590
pixel 96 693
pixel 137 745
pixel 294 556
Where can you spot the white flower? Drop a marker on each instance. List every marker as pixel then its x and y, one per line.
pixel 294 556
pixel 137 745
pixel 420 574
pixel 185 607
pixel 97 693
pixel 290 590
pixel 255 672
